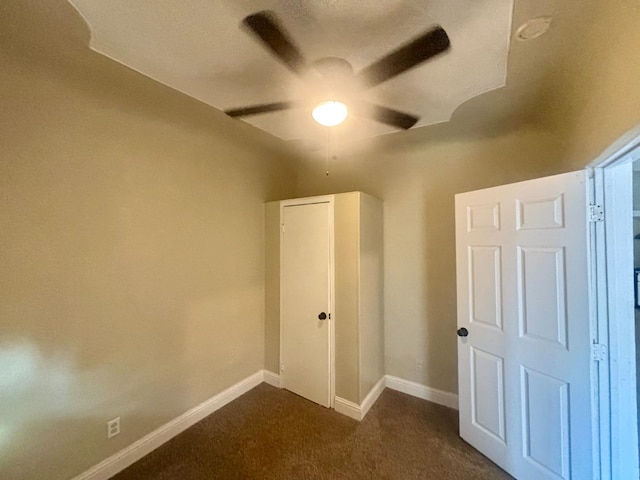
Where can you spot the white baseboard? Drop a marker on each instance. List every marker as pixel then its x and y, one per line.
pixel 355 411
pixel 348 408
pixel 422 391
pixel 358 412
pixel 372 396
pixel 134 452
pixel 272 378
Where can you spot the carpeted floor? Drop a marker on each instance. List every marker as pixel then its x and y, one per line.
pixel 274 434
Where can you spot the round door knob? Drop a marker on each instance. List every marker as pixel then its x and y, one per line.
pixel 322 316
pixel 463 332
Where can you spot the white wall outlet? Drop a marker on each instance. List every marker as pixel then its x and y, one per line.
pixel 113 427
pixel 419 365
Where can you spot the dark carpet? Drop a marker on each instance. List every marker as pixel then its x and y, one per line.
pixel 274 434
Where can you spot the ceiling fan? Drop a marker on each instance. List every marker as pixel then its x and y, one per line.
pixel 335 75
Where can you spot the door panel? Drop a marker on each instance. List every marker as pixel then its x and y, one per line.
pixel 305 294
pixel 542 293
pixel 533 214
pixel 525 366
pixel 483 217
pixel 485 299
pixel 487 403
pixel 546 423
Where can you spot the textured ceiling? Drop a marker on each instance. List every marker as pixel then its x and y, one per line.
pixel 199 48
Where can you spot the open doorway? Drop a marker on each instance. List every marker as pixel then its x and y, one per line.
pixel 636 267
pixel 614 226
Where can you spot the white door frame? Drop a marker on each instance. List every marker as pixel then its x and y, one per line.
pixel 612 284
pixel 330 199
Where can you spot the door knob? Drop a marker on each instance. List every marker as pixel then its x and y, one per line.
pixel 322 316
pixel 463 332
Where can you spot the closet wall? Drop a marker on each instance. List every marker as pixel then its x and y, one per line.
pixel 358 310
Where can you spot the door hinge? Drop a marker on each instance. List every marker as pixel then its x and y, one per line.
pixel 596 213
pixel 281 367
pixel 598 352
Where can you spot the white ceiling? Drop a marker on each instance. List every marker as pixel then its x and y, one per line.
pixel 199 48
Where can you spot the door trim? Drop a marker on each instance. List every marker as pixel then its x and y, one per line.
pixel 612 247
pixel 330 199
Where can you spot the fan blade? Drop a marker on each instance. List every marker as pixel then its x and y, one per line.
pixel 415 52
pixel 256 109
pixel 386 115
pixel 267 28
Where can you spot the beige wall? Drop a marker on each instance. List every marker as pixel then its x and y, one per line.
pixel 272 287
pixel 131 233
pixel 371 297
pixel 594 93
pixel 346 218
pixel 417 184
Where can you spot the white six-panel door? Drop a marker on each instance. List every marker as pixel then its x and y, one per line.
pixel 305 295
pixel 525 367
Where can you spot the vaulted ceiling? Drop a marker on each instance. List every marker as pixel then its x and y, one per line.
pixel 199 48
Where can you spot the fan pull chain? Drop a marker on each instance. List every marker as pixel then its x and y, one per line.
pixel 330 149
pixel 327 150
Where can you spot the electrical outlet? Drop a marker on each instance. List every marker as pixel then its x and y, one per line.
pixel 113 427
pixel 419 364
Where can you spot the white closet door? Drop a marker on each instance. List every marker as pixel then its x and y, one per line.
pixel 305 300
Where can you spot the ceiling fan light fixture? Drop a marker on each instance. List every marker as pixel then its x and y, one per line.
pixel 330 113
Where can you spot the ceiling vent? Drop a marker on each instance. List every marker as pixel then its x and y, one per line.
pixel 534 28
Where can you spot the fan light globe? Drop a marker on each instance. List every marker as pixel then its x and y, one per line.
pixel 330 113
